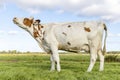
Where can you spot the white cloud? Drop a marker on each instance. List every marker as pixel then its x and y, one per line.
pixel 12 32
pixel 118 34
pixel 113 35
pixel 2 5
pixel 33 11
pixel 104 9
pixel 60 11
pixel 1 32
pixel 37 4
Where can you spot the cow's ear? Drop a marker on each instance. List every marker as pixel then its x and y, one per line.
pixel 31 19
pixel 38 20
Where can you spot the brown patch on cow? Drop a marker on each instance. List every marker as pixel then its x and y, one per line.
pixel 27 22
pixel 69 26
pixel 35 33
pixel 42 26
pixel 39 27
pixel 68 43
pixel 87 29
pixel 64 33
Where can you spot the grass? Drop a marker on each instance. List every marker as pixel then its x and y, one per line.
pixel 36 67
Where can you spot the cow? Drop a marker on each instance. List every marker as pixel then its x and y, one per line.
pixel 68 36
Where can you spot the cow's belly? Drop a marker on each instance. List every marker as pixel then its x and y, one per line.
pixel 73 44
pixel 76 48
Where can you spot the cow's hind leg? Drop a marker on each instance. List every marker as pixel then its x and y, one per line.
pixel 55 58
pixel 101 56
pixel 93 57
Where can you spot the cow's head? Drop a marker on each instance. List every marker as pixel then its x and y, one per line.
pixel 24 23
pixel 29 24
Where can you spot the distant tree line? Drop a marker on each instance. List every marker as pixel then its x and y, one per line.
pixel 16 52
pixel 113 52
pixel 19 52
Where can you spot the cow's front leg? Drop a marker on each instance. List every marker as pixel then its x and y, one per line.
pixel 55 58
pixel 52 63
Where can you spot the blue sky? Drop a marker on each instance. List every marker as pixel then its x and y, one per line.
pixel 14 38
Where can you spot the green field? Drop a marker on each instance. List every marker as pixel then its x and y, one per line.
pixel 37 66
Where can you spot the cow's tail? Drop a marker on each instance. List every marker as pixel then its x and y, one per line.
pixel 104 47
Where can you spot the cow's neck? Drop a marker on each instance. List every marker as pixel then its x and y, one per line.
pixel 40 36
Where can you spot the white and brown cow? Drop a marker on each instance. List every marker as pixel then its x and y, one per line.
pixel 70 36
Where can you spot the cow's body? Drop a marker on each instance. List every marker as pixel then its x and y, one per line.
pixel 73 36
